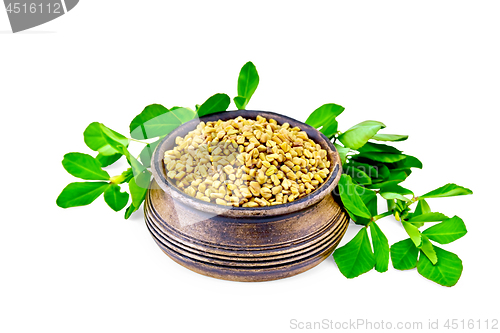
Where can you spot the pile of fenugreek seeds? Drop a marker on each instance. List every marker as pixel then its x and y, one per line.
pixel 247 163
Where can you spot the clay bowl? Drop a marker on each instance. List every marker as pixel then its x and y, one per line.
pixel 238 243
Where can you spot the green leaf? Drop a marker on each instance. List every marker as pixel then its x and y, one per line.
pixel 184 114
pixel 394 188
pixel 370 170
pixel 137 167
pixel 130 210
pixel 382 157
pixel 389 137
pixel 351 199
pixel 393 191
pixel 446 272
pixel 216 103
pixel 342 152
pixel 80 194
pixel 407 163
pixel 395 177
pixel 138 188
pixel 147 153
pixel 97 137
pixel 383 172
pixel 105 161
pixel 390 195
pixel 239 102
pixel 404 254
pixel 356 257
pixel 428 217
pixel 428 249
pixel 356 136
pixel 248 81
pixel 422 207
pixel 84 166
pixel 371 147
pixel 138 191
pixel 380 248
pixel 447 231
pixel 413 232
pixel 357 175
pixel 324 117
pixel 114 198
pixel 448 190
pixel 156 120
pixel 369 198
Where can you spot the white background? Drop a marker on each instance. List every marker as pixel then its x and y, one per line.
pixel 429 69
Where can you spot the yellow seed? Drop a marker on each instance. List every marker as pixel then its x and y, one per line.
pixel 171 165
pixel 266 164
pixel 220 201
pixel 190 191
pixel 318 178
pixel 275 179
pixel 277 189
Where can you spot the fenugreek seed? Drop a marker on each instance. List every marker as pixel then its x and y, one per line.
pixel 215 195
pixel 250 147
pixel 309 186
pixel 275 179
pixel 271 170
pixel 244 152
pixel 318 178
pixel 266 164
pixel 228 169
pixel 285 168
pixel 220 201
pixel 277 189
pixel 255 186
pixel 171 165
pixel 190 191
pixel 265 192
pixel 246 192
pixel 305 178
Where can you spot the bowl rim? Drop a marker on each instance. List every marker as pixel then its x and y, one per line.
pixel 327 187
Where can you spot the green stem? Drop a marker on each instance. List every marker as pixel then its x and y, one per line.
pixel 379 216
pixel 139 141
pixel 117 179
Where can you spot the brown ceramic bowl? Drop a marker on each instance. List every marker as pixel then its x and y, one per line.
pixel 239 243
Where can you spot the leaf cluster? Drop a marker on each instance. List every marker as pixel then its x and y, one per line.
pixel 373 170
pixel 148 128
